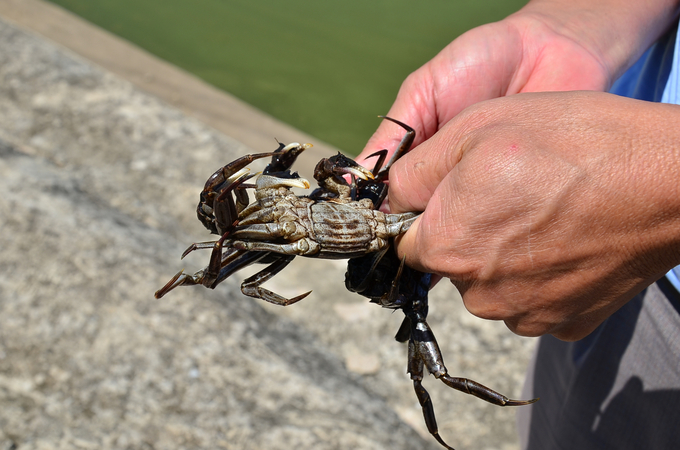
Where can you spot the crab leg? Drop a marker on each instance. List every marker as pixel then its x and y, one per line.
pixel 182 279
pixel 244 259
pixel 423 351
pixel 266 230
pixel 426 349
pixel 252 286
pixel 398 225
pixel 415 368
pixel 198 246
pixel 404 146
pixel 231 262
pixel 382 155
pixel 302 246
pixel 403 217
pixel 179 279
pixel 215 185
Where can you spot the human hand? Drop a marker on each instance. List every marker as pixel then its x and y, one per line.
pixel 553 45
pixel 550 45
pixel 548 211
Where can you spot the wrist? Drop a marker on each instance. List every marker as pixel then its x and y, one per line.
pixel 614 32
pixel 647 184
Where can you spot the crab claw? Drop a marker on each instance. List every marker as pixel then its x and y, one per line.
pixel 359 172
pixel 219 179
pixel 295 148
pixel 340 165
pixel 284 157
pixel 270 181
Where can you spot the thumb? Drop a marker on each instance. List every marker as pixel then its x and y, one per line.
pixel 415 176
pixel 407 247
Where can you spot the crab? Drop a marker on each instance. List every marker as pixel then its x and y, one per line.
pixel 339 220
pixel 329 223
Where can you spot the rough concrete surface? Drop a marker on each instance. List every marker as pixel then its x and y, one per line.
pixel 193 96
pixel 99 182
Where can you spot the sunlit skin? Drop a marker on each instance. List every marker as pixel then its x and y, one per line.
pixel 548 210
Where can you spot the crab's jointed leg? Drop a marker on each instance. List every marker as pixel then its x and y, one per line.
pixel 252 286
pixel 423 351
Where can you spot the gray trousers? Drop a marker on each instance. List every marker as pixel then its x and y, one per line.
pixel 618 388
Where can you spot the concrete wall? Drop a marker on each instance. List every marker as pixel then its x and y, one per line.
pixel 98 183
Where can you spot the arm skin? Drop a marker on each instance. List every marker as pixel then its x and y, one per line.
pixel 548 210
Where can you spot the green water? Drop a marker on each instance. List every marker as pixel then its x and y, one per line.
pixel 328 68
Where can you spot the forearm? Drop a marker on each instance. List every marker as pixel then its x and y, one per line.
pixel 616 32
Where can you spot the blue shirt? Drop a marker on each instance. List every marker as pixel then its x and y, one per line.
pixel 656 78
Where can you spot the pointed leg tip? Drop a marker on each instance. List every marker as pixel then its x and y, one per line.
pixel 441 441
pixel 521 402
pixel 271 297
pixel 170 285
pixel 191 248
pixel 298 298
pixel 161 292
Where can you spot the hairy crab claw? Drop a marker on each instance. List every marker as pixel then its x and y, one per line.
pixel 265 181
pixel 331 174
pixel 284 157
pixel 239 175
pixel 340 165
